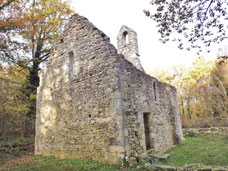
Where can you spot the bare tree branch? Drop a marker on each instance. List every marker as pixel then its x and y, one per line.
pixel 6 4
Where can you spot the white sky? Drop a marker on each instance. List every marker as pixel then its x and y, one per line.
pixel 110 15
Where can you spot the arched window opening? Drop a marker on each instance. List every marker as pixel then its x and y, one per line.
pixel 126 37
pixel 71 65
pixel 155 94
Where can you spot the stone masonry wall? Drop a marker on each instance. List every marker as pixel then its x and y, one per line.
pixel 91 100
pixel 139 97
pixel 77 104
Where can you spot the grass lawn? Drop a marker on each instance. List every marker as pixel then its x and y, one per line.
pixel 211 150
pixel 52 163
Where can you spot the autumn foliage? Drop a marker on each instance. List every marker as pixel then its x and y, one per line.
pixel 29 29
pixel 13 102
pixel 202 91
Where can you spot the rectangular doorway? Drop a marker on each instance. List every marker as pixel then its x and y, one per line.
pixel 147 130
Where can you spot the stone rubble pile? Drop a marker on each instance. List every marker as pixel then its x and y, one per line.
pixel 194 132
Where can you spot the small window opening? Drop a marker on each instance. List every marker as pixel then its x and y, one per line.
pixel 61 40
pixel 147 130
pixel 125 37
pixel 71 65
pixel 89 115
pixel 136 134
pixel 155 94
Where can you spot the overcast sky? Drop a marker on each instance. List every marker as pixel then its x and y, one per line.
pixel 109 15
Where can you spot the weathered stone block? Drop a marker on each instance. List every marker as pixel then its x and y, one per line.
pixel 117 149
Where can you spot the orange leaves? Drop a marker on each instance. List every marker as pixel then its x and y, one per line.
pixel 45 19
pixel 35 19
pixel 11 14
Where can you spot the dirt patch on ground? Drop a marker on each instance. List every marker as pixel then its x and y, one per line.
pixel 17 161
pixel 13 154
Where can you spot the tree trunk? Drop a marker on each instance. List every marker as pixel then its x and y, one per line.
pixel 188 109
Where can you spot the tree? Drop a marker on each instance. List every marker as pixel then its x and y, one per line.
pixel 11 21
pixel 30 30
pixel 13 103
pixel 28 39
pixel 202 90
pixel 197 87
pixel 192 86
pixel 219 82
pixel 5 4
pixel 195 21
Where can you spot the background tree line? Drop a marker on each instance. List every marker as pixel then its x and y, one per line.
pixel 202 91
pixel 28 31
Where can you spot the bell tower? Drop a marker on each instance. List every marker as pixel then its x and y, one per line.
pixel 128 46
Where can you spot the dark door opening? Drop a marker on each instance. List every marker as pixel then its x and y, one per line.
pixel 147 131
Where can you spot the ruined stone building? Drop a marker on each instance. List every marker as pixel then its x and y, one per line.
pixel 96 102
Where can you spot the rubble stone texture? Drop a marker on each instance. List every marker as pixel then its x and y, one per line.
pixel 95 103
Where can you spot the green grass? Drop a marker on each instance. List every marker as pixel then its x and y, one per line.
pixel 12 158
pixel 41 163
pixel 52 163
pixel 212 150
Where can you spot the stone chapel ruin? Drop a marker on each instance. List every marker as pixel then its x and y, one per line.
pixel 96 102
